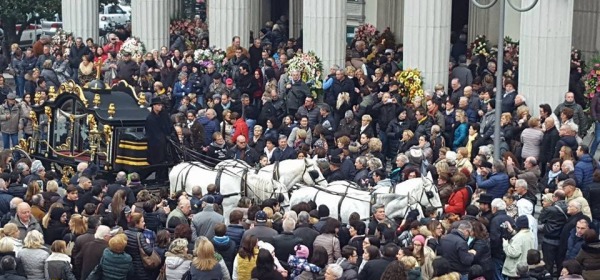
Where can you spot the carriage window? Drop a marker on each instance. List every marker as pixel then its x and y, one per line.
pixel 70 128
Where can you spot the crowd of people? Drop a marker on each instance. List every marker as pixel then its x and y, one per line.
pixel 362 129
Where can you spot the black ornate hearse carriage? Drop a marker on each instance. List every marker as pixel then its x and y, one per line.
pixel 95 124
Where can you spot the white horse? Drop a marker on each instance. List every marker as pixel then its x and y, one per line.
pixel 232 185
pixel 344 197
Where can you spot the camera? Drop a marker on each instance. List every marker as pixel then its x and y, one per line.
pixel 503 225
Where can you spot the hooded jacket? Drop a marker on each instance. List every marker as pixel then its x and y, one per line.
pixel 584 171
pixel 176 265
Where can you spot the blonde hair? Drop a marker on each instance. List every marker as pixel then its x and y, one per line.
pixel 59 246
pixel 78 224
pixel 506 116
pixel 33 188
pixel 409 262
pixel 463 116
pixel 463 152
pixel 367 117
pixel 46 219
pixel 6 245
pixel 117 243
pixel 374 145
pixel 204 255
pixel 33 240
pixel 52 186
pixel 409 133
pixel 178 246
pixel 301 133
pixel 10 230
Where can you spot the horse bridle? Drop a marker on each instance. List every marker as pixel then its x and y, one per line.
pixel 429 193
pixel 308 165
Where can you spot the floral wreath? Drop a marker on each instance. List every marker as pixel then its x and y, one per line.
pixel 411 84
pixel 133 46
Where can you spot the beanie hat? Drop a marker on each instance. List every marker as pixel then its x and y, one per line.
pixel 522 222
pixel 323 211
pixel 56 213
pixel 451 157
pixel 349 114
pixel 419 238
pixel 36 166
pixel 301 251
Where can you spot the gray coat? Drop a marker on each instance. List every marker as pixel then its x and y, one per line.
pixel 33 261
pixel 203 223
pixel 9 119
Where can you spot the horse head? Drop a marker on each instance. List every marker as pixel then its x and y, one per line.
pixel 427 194
pixel 312 174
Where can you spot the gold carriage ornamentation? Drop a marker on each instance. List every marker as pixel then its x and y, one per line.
pixel 70 130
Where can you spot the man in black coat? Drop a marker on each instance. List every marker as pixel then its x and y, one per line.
pixel 336 173
pixel 453 247
pixel 158 127
pixel 128 69
pixel 375 268
pixel 549 141
pixel 553 217
pixel 286 242
pixel 574 211
pixel 305 231
pixel 284 151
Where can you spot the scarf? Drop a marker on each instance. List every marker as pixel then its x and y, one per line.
pixel 151 63
pixel 552 175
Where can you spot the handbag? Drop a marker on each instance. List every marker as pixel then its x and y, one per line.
pixel 150 261
pixel 163 273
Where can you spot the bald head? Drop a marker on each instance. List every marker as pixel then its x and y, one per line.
pixel 468 91
pixel 24 212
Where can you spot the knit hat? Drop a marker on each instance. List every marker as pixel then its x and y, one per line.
pixel 348 114
pixel 208 199
pixel 302 251
pixel 522 222
pixel 323 211
pixel 36 166
pixel 56 213
pixel 419 238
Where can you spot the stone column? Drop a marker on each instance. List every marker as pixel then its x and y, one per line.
pixel 295 17
pixel 585 26
pixel 228 18
pixel 545 51
pixel 427 39
pixel 324 30
pixel 81 18
pixel 175 11
pixel 398 26
pixel 484 22
pixel 255 16
pixel 150 21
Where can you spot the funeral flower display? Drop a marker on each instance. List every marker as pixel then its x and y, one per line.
pixel 411 84
pixel 310 67
pixel 61 37
pixel 366 32
pixel 210 56
pixel 134 46
pixel 480 46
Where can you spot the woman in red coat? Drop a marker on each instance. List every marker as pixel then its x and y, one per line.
pixel 457 203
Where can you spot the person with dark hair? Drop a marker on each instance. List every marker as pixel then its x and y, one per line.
pixel 584 169
pixel 265 267
pixel 323 211
pixel 374 269
pixel 460 195
pixel 349 262
pixel 394 271
pixel 481 245
pixel 589 255
pixel 537 269
pixel 9 269
pixel 235 229
pixel 571 269
pixel 476 273
pixel 224 245
pixel 328 240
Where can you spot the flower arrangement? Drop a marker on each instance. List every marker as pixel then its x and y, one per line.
pixel 191 31
pixel 366 32
pixel 61 37
pixel 134 46
pixel 310 67
pixel 511 46
pixel 592 79
pixel 411 84
pixel 209 56
pixel 480 46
